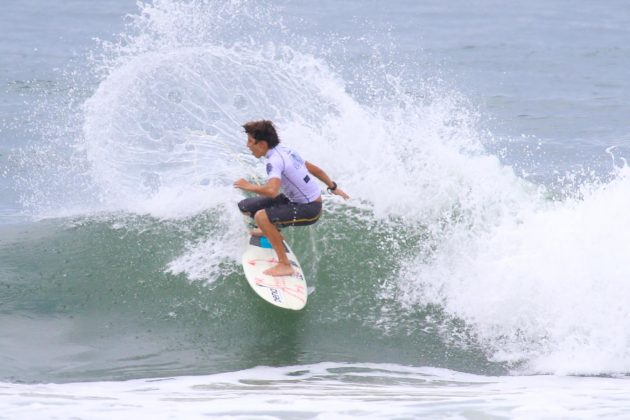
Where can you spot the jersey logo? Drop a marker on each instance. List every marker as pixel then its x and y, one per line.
pixel 269 168
pixel 306 179
pixel 297 160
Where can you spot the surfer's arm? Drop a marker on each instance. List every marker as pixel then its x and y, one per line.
pixel 323 176
pixel 270 189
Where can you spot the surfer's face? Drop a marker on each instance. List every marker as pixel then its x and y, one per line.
pixel 258 149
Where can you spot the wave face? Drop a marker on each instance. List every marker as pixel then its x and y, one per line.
pixel 444 257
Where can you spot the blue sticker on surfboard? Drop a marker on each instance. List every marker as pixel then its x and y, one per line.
pixel 264 242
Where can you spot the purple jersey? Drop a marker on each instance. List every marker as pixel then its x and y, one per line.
pixel 296 182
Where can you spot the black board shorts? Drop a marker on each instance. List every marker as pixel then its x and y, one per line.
pixel 282 211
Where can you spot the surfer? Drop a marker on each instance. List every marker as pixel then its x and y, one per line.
pixel 299 203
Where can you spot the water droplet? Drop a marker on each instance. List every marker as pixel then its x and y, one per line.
pixel 175 96
pixel 240 102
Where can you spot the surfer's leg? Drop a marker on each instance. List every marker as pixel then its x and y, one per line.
pixel 284 267
pixel 251 205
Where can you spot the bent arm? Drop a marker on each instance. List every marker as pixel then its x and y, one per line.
pixel 323 176
pixel 269 189
pixel 320 174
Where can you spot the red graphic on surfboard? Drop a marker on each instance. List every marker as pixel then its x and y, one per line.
pixel 279 283
pixel 289 292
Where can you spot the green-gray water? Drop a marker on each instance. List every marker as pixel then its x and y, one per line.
pixel 92 299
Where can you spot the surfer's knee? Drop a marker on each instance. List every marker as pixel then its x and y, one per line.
pixel 246 207
pixel 261 217
pixel 242 206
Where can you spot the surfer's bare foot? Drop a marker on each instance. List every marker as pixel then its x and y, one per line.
pixel 280 269
pixel 257 232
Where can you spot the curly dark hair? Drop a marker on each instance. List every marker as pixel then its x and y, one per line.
pixel 262 130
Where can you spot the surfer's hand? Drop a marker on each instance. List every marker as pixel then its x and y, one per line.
pixel 243 184
pixel 341 193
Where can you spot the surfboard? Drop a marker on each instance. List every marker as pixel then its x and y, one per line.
pixel 289 292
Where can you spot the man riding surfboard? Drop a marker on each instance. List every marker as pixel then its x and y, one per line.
pixel 289 197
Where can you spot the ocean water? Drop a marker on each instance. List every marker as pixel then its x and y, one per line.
pixel 479 271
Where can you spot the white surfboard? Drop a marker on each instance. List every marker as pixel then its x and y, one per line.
pixel 289 292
